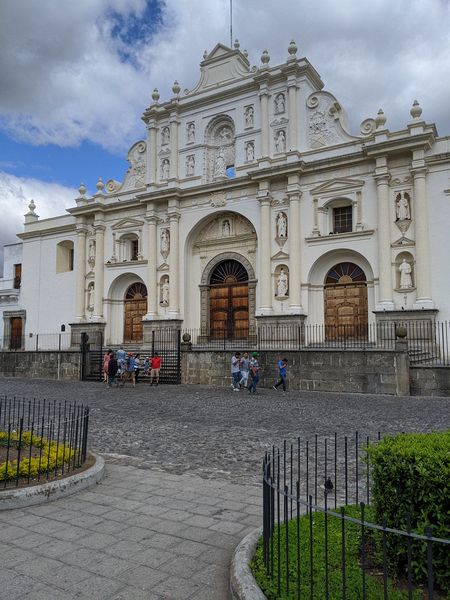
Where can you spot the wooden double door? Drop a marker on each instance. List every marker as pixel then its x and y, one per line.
pixel 135 309
pixel 346 308
pixel 228 301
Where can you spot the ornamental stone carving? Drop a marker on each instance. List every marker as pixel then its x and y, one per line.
pixel 282 284
pixel 250 151
pixel 281 225
pixel 218 199
pixel 280 141
pixel 402 206
pixel 405 275
pixel 249 114
pixel 220 147
pixel 280 104
pixel 165 135
pixel 165 168
pixel 190 165
pixel 165 243
pixel 190 132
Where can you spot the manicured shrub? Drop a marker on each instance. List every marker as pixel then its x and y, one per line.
pixel 411 488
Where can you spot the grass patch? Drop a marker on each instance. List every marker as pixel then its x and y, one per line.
pixel 286 587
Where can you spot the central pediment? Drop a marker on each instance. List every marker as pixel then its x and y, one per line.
pixel 221 66
pixel 337 185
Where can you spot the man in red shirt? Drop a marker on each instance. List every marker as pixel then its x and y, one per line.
pixel 155 368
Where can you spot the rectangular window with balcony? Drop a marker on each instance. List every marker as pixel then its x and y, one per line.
pixel 17 276
pixel 342 219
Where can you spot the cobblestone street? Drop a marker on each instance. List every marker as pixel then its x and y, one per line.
pixel 182 486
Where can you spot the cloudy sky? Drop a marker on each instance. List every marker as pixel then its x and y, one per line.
pixel 75 76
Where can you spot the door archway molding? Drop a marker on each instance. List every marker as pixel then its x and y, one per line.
pixel 204 288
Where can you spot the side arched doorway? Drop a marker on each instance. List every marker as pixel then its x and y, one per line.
pixel 345 299
pixel 135 307
pixel 229 301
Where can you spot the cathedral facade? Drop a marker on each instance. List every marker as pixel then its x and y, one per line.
pixel 248 202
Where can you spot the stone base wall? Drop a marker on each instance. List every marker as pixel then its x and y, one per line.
pixel 430 381
pixel 372 372
pixel 43 364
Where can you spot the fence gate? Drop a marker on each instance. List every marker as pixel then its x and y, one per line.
pixel 91 348
pixel 167 343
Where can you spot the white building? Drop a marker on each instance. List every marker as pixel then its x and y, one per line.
pixel 249 201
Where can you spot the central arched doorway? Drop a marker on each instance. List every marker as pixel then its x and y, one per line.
pixel 135 308
pixel 345 297
pixel 228 301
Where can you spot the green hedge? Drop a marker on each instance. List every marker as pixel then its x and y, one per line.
pixel 411 476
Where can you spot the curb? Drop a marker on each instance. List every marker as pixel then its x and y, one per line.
pixel 243 585
pixel 53 490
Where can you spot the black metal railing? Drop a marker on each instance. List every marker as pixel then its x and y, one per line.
pixel 428 342
pixel 40 440
pixel 308 526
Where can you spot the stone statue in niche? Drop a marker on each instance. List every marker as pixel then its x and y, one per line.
pixel 165 242
pixel 226 229
pixel 249 116
pixel 280 141
pixel 402 207
pixel 280 104
pixel 165 169
pixel 219 165
pixel 249 151
pixel 225 135
pixel 91 253
pixel 190 165
pixel 405 275
pixel 281 225
pixel 165 290
pixel 282 284
pixel 91 293
pixel 165 135
pixel 191 132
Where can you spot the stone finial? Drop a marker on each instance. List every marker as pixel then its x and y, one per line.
pixel 82 189
pixel 32 208
pixel 176 88
pixel 236 44
pixel 416 110
pixel 205 54
pixel 265 58
pixel 99 185
pixel 292 49
pixel 155 95
pixel 380 119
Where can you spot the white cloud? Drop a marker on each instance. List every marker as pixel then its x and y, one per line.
pixel 15 194
pixel 64 78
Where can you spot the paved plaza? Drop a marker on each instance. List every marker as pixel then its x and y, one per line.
pixel 182 485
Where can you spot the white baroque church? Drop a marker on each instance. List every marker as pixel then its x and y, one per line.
pixel 248 201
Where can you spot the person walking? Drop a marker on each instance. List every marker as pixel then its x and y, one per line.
pixel 282 374
pixel 121 356
pixel 113 367
pixel 129 370
pixel 106 359
pixel 245 369
pixel 236 371
pixel 254 373
pixel 137 367
pixel 155 363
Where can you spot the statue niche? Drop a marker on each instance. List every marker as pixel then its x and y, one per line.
pixel 220 147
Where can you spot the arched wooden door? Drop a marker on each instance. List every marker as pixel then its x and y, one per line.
pixel 345 294
pixel 228 301
pixel 135 309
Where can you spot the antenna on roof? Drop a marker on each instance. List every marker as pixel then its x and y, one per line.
pixel 231 23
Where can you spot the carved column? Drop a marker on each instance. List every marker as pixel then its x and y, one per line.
pixel 265 245
pixel 174 270
pixel 174 146
pixel 99 271
pixel 384 242
pixel 151 151
pixel 358 207
pixel 264 99
pixel 80 273
pixel 295 302
pixel 152 254
pixel 423 267
pixel 292 87
pixel 316 230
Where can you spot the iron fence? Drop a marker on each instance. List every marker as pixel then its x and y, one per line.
pixel 308 527
pixel 428 342
pixel 41 440
pixel 34 342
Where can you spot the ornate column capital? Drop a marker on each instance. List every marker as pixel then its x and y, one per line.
pixel 382 178
pixel 174 216
pixel 151 218
pixel 99 229
pixel 81 230
pixel 418 172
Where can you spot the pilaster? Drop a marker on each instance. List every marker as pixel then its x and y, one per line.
pixel 152 253
pixel 99 270
pixel 423 266
pixel 295 275
pixel 174 268
pixel 265 245
pixel 382 177
pixel 80 272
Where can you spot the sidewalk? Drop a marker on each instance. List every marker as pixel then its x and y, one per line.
pixel 140 534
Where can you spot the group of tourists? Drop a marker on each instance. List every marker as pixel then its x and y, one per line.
pixel 121 367
pixel 245 372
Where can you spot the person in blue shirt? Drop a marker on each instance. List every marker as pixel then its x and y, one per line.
pixel 282 373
